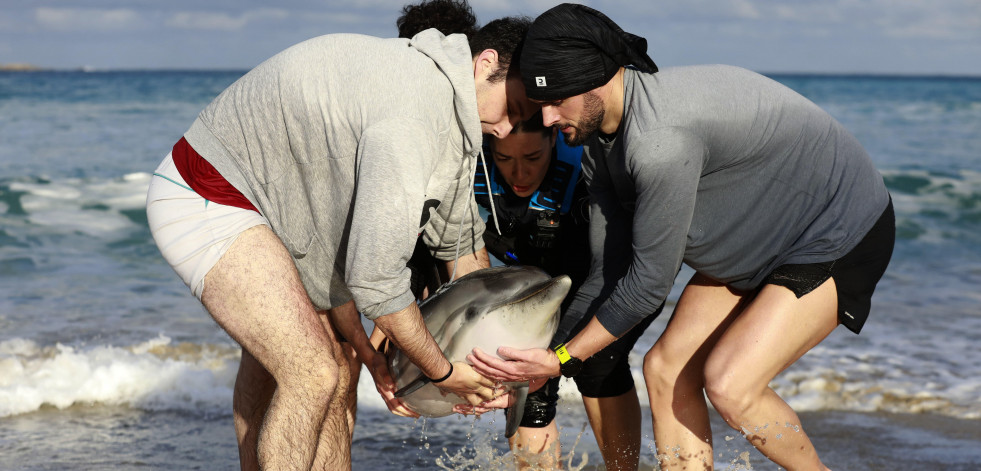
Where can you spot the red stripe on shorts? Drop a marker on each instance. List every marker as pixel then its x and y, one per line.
pixel 205 180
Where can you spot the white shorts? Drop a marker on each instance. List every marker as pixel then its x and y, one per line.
pixel 191 232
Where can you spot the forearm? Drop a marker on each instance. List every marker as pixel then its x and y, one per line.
pixel 377 337
pixel 590 340
pixel 346 319
pixel 470 262
pixel 408 332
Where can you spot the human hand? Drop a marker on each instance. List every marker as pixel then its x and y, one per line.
pixel 501 402
pixel 470 385
pixel 512 364
pixel 378 367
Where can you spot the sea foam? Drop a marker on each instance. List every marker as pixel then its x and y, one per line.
pixel 154 375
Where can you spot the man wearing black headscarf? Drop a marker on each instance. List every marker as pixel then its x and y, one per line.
pixel 776 207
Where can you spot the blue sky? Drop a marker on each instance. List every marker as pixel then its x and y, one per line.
pixel 826 36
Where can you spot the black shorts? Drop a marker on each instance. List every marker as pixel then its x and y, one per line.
pixel 856 274
pixel 540 405
pixel 605 374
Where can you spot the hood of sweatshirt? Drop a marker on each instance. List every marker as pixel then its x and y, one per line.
pixel 452 55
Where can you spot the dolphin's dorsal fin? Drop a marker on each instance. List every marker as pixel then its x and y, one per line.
pixel 516 409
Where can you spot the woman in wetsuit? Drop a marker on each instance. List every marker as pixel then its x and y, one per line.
pixel 540 204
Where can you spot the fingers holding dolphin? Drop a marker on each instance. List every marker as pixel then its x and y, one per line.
pixel 378 367
pixel 500 402
pixel 490 365
pixel 396 406
pixel 470 385
pixel 512 364
pixel 518 306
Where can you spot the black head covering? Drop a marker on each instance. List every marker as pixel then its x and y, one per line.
pixel 572 49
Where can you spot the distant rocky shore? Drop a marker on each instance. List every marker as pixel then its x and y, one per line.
pixel 19 67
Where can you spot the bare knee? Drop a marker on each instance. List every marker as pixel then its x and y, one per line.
pixel 331 377
pixel 660 374
pixel 317 377
pixel 729 393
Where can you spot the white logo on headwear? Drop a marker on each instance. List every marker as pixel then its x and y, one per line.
pixel 540 81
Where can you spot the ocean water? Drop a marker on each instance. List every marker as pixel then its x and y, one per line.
pixel 107 361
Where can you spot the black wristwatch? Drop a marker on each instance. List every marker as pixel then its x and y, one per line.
pixel 568 364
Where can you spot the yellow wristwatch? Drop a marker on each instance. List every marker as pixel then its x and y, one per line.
pixel 568 364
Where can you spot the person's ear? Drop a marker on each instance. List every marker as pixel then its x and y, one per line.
pixel 555 135
pixel 485 63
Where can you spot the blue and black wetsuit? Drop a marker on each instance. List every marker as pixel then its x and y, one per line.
pixel 550 230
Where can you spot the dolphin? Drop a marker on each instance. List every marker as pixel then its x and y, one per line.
pixel 516 306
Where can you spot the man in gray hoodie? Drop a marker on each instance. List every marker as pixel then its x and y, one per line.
pixel 303 188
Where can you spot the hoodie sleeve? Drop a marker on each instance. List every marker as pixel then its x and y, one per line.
pixel 389 197
pixel 456 208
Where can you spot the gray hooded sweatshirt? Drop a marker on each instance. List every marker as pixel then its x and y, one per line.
pixel 352 146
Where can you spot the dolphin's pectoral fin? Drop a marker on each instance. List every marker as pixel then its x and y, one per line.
pixel 413 386
pixel 516 410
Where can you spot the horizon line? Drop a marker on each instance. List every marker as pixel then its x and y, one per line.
pixel 29 68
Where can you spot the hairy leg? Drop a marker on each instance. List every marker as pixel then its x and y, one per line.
pixel 352 364
pixel 773 332
pixel 254 388
pixel 255 294
pixel 354 373
pixel 537 447
pixel 343 410
pixel 673 371
pixel 616 424
pixel 340 420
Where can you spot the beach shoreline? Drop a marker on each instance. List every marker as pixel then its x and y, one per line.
pixel 119 437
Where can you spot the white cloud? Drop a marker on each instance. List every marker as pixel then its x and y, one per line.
pixel 938 19
pixel 85 19
pixel 217 21
pixel 820 13
pixel 680 31
pixel 896 19
pixel 745 9
pixel 488 10
pixel 206 21
pixel 348 19
pixel 960 21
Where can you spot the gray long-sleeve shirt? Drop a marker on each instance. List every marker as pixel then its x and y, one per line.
pixel 351 146
pixel 726 171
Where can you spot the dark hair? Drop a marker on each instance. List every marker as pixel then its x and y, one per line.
pixel 447 16
pixel 533 124
pixel 504 35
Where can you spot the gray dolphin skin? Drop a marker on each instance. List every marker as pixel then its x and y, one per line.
pixel 514 306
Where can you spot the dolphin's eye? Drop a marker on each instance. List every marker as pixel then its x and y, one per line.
pixel 473 312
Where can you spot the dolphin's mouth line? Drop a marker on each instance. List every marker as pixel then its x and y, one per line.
pixel 413 386
pixel 538 291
